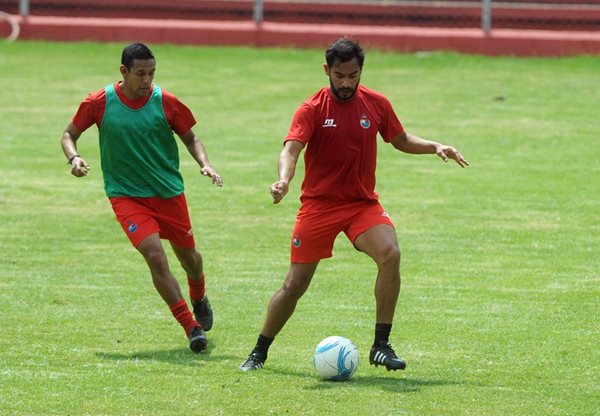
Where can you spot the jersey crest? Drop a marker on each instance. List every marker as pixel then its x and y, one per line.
pixel 365 123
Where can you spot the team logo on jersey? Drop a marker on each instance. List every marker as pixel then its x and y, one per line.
pixel 132 227
pixel 296 241
pixel 329 122
pixel 365 123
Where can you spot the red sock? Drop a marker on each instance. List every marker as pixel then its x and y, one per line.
pixel 197 288
pixel 182 313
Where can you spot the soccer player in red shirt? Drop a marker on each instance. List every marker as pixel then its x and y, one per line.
pixel 339 126
pixel 140 165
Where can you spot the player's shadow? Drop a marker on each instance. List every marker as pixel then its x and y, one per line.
pixel 394 382
pixel 180 356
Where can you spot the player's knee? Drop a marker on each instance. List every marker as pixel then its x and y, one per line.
pixel 389 257
pixel 295 287
pixel 192 263
pixel 156 259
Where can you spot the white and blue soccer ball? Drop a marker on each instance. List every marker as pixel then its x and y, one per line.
pixel 336 358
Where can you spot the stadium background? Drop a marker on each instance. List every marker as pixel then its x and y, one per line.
pixel 518 27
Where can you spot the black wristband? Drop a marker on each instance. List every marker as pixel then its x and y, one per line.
pixel 71 159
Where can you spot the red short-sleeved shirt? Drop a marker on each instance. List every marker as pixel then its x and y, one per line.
pixel 341 139
pixel 91 110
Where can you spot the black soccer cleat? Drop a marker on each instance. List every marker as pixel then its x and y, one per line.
pixel 254 361
pixel 383 354
pixel 203 313
pixel 198 340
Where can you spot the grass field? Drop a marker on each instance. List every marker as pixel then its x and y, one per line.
pixel 499 309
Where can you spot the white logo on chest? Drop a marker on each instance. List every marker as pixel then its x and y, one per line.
pixel 329 122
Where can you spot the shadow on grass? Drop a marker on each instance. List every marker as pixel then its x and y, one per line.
pixel 394 382
pixel 179 356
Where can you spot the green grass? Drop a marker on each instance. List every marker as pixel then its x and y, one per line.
pixel 500 302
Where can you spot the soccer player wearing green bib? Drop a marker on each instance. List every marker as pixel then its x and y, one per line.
pixel 140 164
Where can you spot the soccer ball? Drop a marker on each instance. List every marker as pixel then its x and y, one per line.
pixel 336 358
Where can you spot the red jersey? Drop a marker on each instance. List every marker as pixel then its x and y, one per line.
pixel 341 138
pixel 91 110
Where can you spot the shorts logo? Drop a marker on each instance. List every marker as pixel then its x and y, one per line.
pixel 132 227
pixel 329 122
pixel 384 214
pixel 365 123
pixel 296 241
pixel 189 233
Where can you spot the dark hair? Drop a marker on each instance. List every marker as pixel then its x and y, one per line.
pixel 344 50
pixel 135 51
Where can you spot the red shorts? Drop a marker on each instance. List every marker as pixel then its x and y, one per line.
pixel 141 217
pixel 318 224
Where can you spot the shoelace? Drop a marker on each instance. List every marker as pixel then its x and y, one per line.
pixel 254 361
pixel 389 350
pixel 385 351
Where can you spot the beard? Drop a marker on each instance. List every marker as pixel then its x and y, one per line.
pixel 343 94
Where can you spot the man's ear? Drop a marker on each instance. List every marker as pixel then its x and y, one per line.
pixel 326 68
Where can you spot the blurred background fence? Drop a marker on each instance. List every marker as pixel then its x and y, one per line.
pixel 562 15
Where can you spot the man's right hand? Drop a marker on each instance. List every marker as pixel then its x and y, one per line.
pixel 79 167
pixel 278 190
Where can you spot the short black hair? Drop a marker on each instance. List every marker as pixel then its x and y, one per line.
pixel 135 51
pixel 343 50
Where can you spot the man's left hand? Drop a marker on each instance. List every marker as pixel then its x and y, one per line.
pixel 211 173
pixel 449 152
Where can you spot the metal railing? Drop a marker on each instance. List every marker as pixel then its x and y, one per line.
pixel 258 12
pixel 486 16
pixel 575 15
